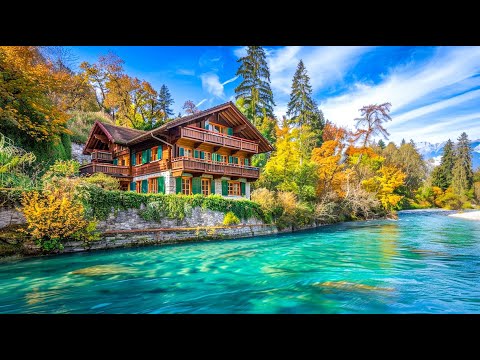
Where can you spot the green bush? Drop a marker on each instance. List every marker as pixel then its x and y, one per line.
pixel 231 219
pixel 102 180
pixel 99 203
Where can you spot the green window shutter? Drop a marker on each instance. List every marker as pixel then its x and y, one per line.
pixel 133 186
pixel 149 155
pixel 161 185
pixel 178 184
pixel 235 160
pixel 212 186
pixel 242 188
pixel 115 161
pixel 246 162
pixel 196 185
pixel 230 159
pixel 224 188
pixel 202 155
pixel 133 159
pixel 195 154
pixel 144 157
pixel 229 131
pixel 181 151
pixel 160 152
pixel 145 186
pixel 214 157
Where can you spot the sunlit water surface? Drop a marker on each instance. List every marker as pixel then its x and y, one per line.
pixel 426 262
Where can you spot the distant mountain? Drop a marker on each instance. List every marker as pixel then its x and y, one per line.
pixel 435 151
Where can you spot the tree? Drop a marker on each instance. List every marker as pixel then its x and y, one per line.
pixel 255 86
pixel 385 185
pixel 462 175
pixel 373 117
pixel 381 144
pixel 330 175
pixel 442 174
pixel 190 107
pixel 302 109
pixel 165 102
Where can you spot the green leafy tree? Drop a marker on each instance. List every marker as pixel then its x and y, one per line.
pixel 165 102
pixel 462 175
pixel 442 174
pixel 381 144
pixel 255 85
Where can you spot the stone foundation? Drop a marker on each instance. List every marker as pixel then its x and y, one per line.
pixel 10 217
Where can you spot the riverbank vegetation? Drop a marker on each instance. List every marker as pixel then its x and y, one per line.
pixel 318 173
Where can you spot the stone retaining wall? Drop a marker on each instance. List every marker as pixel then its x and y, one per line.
pixel 10 217
pixel 144 237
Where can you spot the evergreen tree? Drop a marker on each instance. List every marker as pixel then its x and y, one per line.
pixel 302 109
pixel 462 175
pixel 442 174
pixel 381 144
pixel 255 86
pixel 403 142
pixel 165 101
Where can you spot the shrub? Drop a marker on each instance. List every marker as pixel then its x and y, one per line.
pixel 467 205
pixel 102 180
pixel 52 217
pixel 231 219
pixel 62 168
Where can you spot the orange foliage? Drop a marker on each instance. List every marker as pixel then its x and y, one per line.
pixel 352 150
pixel 333 132
pixel 330 174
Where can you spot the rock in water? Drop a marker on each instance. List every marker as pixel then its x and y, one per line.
pixel 350 286
pixel 101 270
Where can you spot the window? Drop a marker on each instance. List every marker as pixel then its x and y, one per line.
pixel 206 187
pixel 139 187
pixel 186 152
pixel 153 185
pixel 208 156
pixel 155 153
pixel 234 188
pixel 222 158
pixel 138 158
pixel 186 186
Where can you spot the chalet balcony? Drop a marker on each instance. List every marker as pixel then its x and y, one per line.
pixel 112 170
pixel 209 167
pixel 150 168
pixel 218 139
pixel 101 156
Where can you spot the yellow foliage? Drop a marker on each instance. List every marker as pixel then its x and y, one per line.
pixel 288 201
pixel 52 215
pixel 330 175
pixel 265 198
pixel 384 184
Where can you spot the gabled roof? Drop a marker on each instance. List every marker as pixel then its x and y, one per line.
pixel 119 134
pixel 253 133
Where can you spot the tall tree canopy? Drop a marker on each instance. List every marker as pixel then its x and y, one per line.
pixel 165 102
pixel 255 86
pixel 442 174
pixel 462 175
pixel 371 122
pixel 190 107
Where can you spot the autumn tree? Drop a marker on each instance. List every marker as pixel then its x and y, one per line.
pixel 329 168
pixel 385 185
pixel 165 102
pixel 370 124
pixel 255 85
pixel 190 107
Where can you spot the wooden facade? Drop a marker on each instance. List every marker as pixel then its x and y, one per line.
pixel 217 143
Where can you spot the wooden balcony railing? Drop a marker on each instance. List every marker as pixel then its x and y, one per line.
pixel 150 168
pixel 207 136
pixel 113 170
pixel 98 155
pixel 209 167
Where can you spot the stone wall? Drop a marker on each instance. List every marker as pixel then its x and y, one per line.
pixel 130 238
pixel 77 153
pixel 130 220
pixel 10 217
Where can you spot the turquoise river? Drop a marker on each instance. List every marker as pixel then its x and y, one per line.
pixel 426 262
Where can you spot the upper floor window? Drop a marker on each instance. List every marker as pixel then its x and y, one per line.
pixel 155 153
pixel 138 158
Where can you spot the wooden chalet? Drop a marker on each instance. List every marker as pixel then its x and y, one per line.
pixel 204 153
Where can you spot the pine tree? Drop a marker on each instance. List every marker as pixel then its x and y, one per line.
pixel 165 101
pixel 302 109
pixel 442 174
pixel 462 174
pixel 381 144
pixel 255 86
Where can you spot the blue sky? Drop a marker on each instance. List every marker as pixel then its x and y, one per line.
pixel 434 91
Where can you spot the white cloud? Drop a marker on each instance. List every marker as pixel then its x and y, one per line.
pixel 201 103
pixel 211 83
pixel 408 85
pixel 240 52
pixel 188 72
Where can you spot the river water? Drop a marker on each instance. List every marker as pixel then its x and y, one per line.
pixel 426 262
